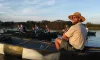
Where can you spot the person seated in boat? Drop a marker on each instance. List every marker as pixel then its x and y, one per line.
pixel 24 29
pixel 36 29
pixel 69 24
pixel 87 28
pixel 66 29
pixel 75 38
pixel 20 28
pixel 33 29
pixel 47 30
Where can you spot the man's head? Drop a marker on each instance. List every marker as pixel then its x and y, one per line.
pixel 46 26
pixel 76 17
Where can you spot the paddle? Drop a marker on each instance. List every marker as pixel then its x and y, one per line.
pixel 49 44
pixel 24 42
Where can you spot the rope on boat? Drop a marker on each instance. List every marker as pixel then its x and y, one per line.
pixel 49 44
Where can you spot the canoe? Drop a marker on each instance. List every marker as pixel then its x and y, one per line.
pixel 26 49
pixel 29 34
pixel 41 34
pixel 91 33
pixel 31 49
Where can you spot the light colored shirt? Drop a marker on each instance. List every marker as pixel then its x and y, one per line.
pixel 87 29
pixel 77 35
pixel 21 29
pixel 36 28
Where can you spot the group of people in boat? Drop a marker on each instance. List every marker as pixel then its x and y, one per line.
pixel 35 29
pixel 73 38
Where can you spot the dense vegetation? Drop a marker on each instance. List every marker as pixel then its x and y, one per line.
pixel 54 25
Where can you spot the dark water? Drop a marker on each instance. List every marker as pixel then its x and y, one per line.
pixel 92 41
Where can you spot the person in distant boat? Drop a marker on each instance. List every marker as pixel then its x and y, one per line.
pixel 66 29
pixel 67 26
pixel 33 29
pixel 87 28
pixel 36 29
pixel 22 29
pixel 75 38
pixel 47 29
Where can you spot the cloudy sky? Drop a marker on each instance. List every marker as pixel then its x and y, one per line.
pixel 37 10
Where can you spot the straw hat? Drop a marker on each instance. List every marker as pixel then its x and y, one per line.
pixel 77 14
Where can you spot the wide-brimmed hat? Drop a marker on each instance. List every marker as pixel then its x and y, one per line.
pixel 77 14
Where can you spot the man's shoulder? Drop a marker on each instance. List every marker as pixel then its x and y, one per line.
pixel 73 26
pixel 78 25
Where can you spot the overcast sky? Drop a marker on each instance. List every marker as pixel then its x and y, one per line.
pixel 37 10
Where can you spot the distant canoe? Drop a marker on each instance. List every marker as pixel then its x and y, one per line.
pixel 42 35
pixel 91 33
pixel 30 34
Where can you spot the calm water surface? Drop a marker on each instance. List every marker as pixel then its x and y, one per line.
pixel 94 40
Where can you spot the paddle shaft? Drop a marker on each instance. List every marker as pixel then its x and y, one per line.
pixel 48 46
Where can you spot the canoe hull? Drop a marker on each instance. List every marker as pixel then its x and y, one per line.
pixel 73 56
pixel 39 35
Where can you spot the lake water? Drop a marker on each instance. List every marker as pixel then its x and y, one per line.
pixel 92 41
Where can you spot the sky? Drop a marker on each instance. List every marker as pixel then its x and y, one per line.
pixel 51 10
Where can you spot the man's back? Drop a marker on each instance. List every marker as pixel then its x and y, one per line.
pixel 77 35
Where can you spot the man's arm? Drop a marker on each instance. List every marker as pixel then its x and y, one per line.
pixel 69 33
pixel 64 37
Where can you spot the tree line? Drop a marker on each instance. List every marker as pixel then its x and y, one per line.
pixel 53 25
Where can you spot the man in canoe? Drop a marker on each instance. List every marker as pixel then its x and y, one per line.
pixel 75 38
